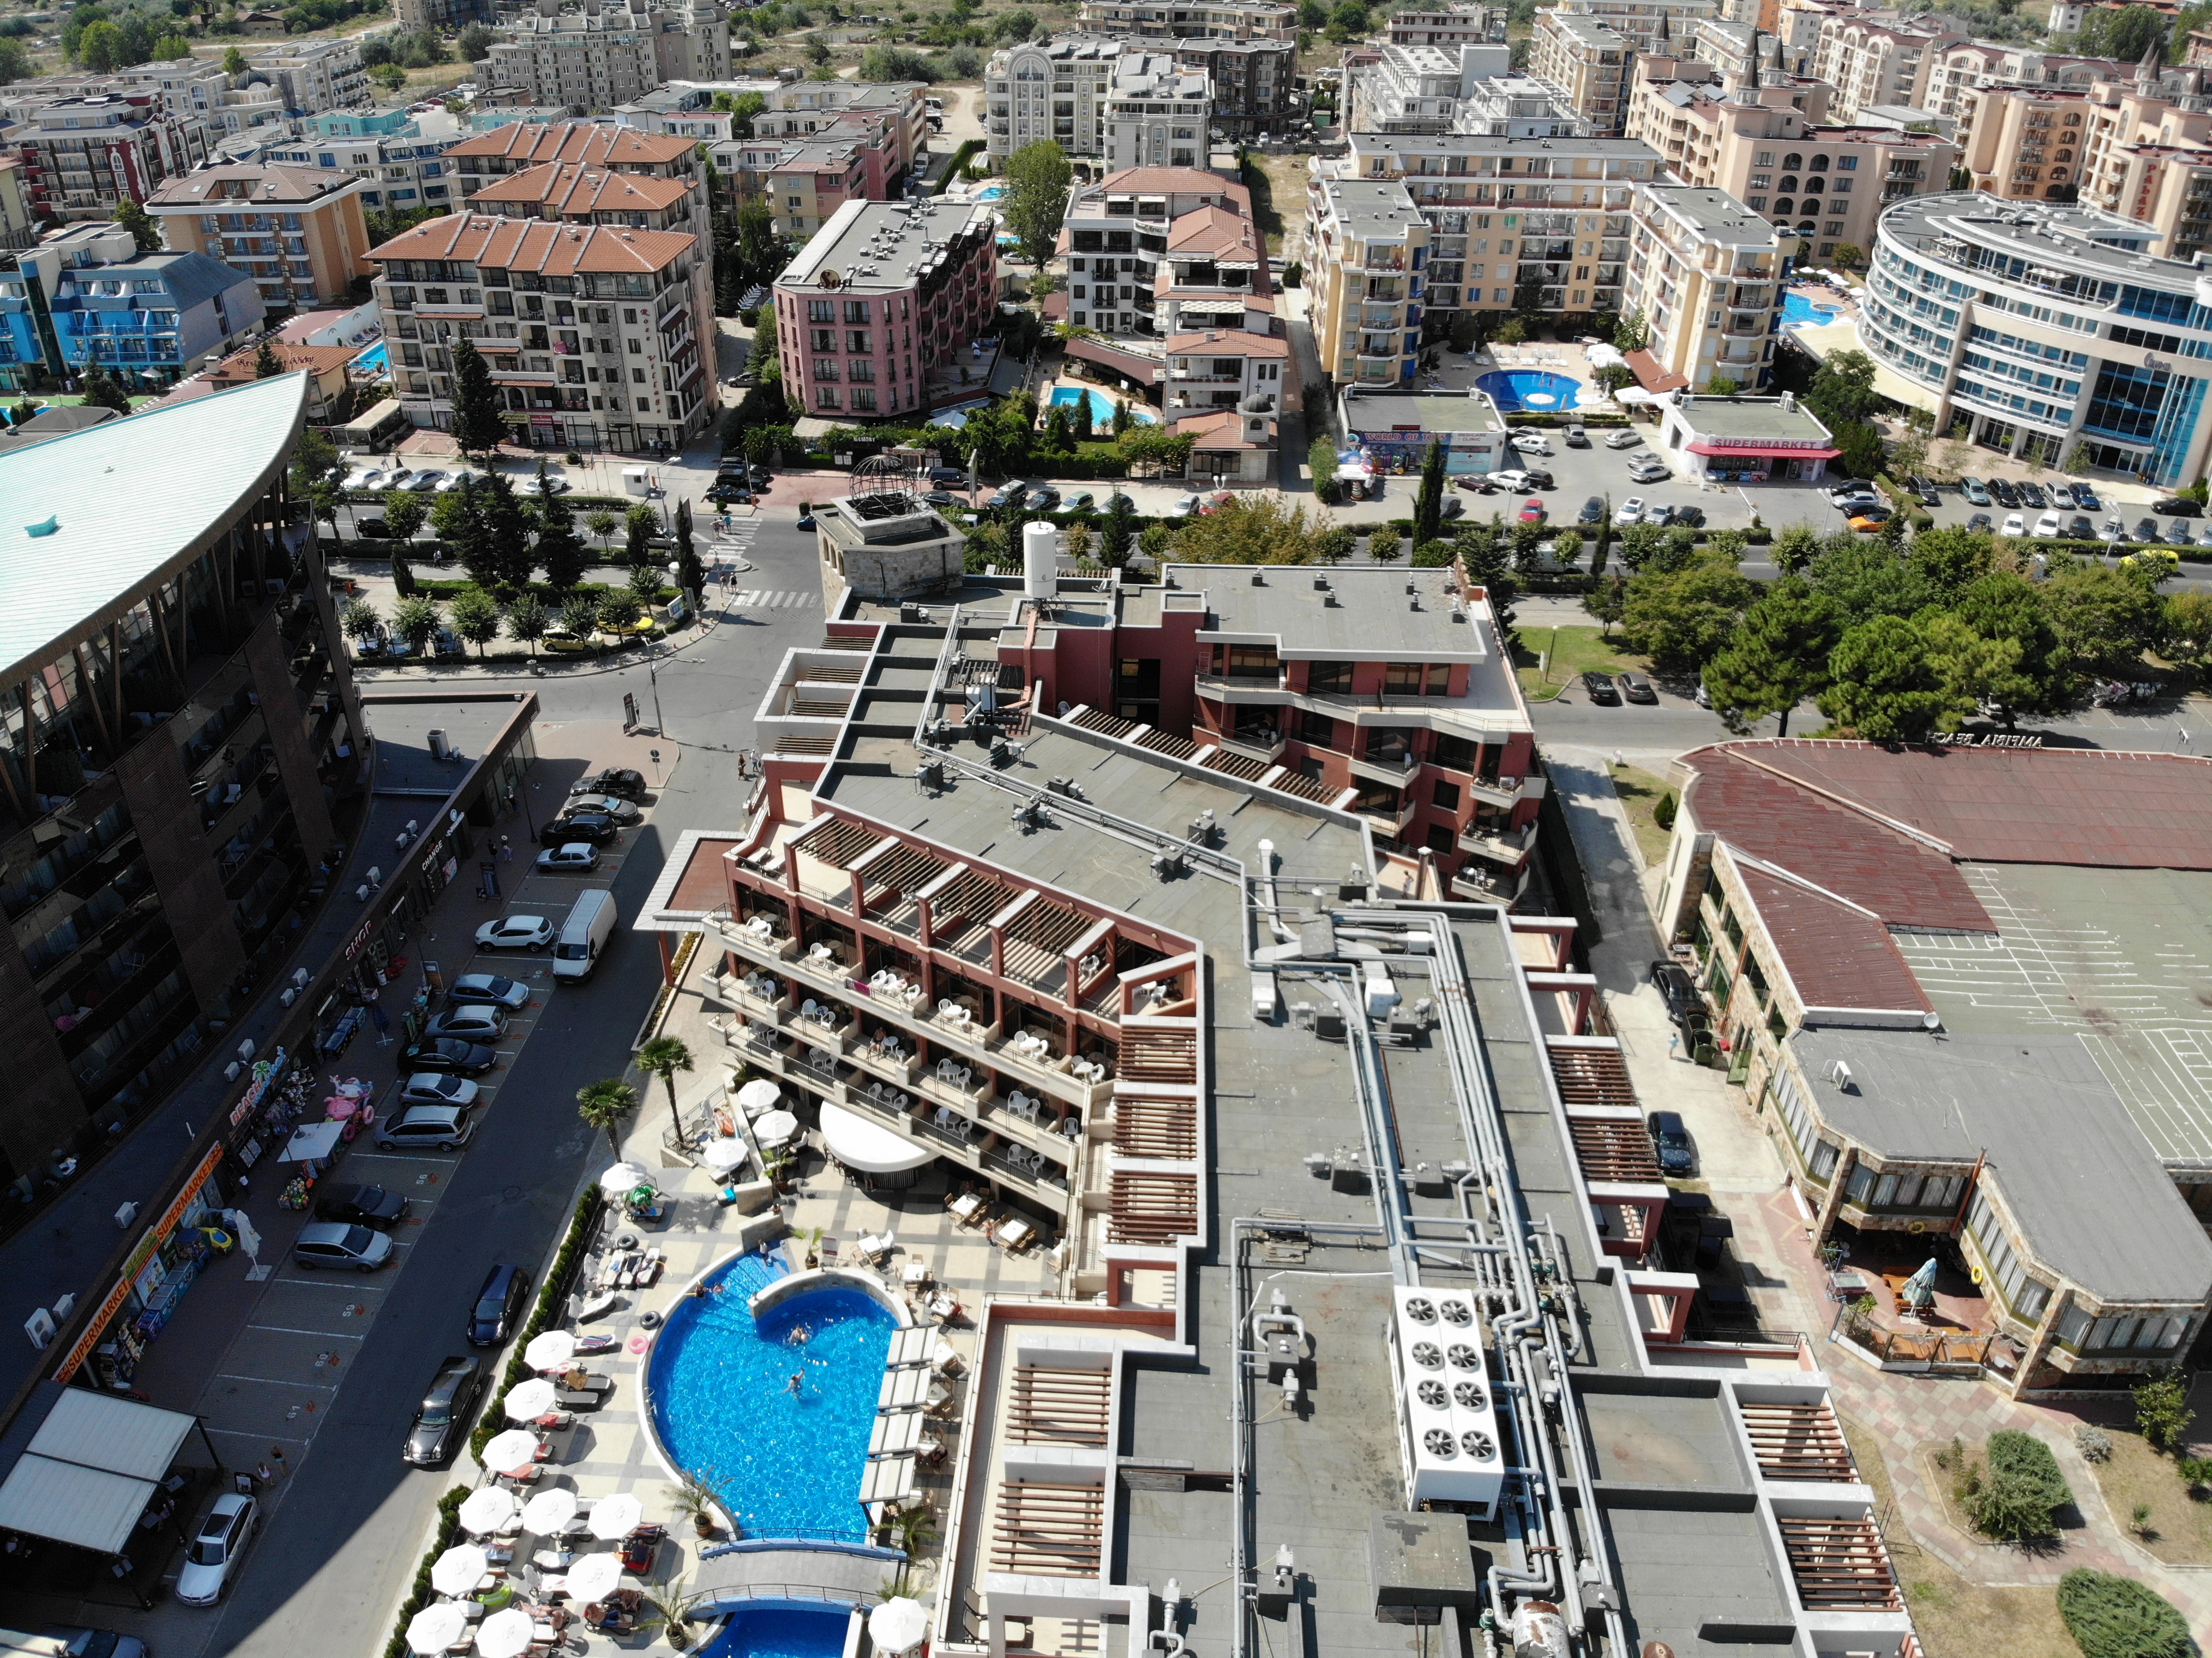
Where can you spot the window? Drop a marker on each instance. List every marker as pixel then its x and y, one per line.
pixel 1317 730
pixel 1446 797
pixel 1732 928
pixel 1455 753
pixel 1403 678
pixel 2024 1296
pixel 1755 978
pixel 1332 677
pixel 817 311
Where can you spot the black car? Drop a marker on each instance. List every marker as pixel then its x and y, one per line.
pixel 444 1411
pixel 1678 1152
pixel 2003 489
pixel 1678 989
pixel 1981 521
pixel 1576 438
pixel 586 826
pixel 1601 689
pixel 2146 529
pixel 372 529
pixel 947 477
pixel 2080 529
pixel 943 499
pixel 2030 495
pixel 1925 489
pixel 1593 511
pixel 615 780
pixel 1011 495
pixel 1537 478
pixel 722 494
pixel 1453 506
pixel 2178 507
pixel 499 1306
pixel 360 1206
pixel 1636 688
pixel 1693 516
pixel 449 1055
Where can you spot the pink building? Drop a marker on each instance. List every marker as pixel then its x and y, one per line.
pixel 885 296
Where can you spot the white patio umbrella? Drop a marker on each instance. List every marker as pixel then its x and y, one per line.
pixel 593 1577
pixel 436 1627
pixel 528 1400
pixel 758 1095
pixel 515 1448
pixel 486 1511
pixel 623 1177
pixel 723 1155
pixel 775 1127
pixel 548 1512
pixel 458 1569
pixel 898 1626
pixel 616 1517
pixel 550 1350
pixel 506 1634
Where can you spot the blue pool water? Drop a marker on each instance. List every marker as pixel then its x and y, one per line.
pixel 787 1465
pixel 779 1632
pixel 1102 408
pixel 377 358
pixel 1797 308
pixel 990 192
pixel 1515 389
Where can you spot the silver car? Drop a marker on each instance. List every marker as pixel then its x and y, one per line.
pixel 217 1549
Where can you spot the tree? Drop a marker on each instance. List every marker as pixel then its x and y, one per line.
pixel 1079 420
pixel 458 516
pixel 1035 202
pixel 1113 531
pixel 618 610
pixel 101 391
pixel 1607 600
pixel 1632 332
pixel 390 76
pixel 640 525
pixel 645 582
pixel 1566 546
pixel 1429 501
pixel 1348 21
pixel 361 621
pixel 404 512
pixel 146 236
pixel 560 549
pixel 1778 657
pixel 2001 605
pixel 1842 388
pixel 2162 1412
pixel 2114 1617
pixel 475 616
pixel 2102 617
pixel 579 615
pixel 417 621
pixel 690 573
pixel 1156 450
pixel 15 62
pixel 475 43
pixel 477 427
pixel 100 48
pixel 265 364
pixel 1886 685
pixel 1465 331
pixel 528 618
pixel 602 524
pixel 235 62
pixel 1385 545
pixel 1682 618
pixel 507 531
pixel 742 110
pixel 1321 460
pixel 1260 529
pixel 606 1106
pixel 663 1057
pixel 2186 627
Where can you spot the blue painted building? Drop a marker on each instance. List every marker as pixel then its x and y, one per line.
pixel 85 295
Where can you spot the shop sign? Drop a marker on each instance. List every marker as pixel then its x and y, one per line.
pixel 1991 739
pixel 264 1077
pixel 136 1264
pixel 359 942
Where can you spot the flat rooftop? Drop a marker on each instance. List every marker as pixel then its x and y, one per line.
pixel 1761 418
pixel 882 247
pixel 1373 613
pixel 1372 208
pixel 1716 214
pixel 1471 411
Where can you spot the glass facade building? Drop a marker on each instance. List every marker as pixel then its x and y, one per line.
pixel 2049 331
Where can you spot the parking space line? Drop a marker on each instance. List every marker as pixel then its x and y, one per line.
pixel 275 1382
pixel 293 1330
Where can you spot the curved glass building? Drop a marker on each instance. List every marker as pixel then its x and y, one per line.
pixel 2048 329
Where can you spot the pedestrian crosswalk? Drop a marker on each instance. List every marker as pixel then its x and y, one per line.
pixel 773 598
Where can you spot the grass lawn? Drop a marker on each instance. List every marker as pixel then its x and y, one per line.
pixel 1567 651
pixel 2180 1524
pixel 1640 793
pixel 1954 1617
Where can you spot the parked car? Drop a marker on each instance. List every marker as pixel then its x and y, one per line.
pixel 1926 490
pixel 1678 989
pixel 488 987
pixel 943 501
pixel 1011 495
pixel 2177 534
pixel 1041 498
pixel 1648 472
pixel 1629 512
pixel 216 1548
pixel 2080 528
pixel 1453 506
pixel 2146 529
pixel 1601 690
pixel 450 1053
pixel 515 932
pixel 427 481
pixel 2031 493
pixel 1670 1140
pixel 436 1431
pixel 2178 507
pixel 331 1243
pixel 1593 511
pixel 2113 529
pixel 442 1127
pixel 1081 501
pixel 1974 490
pixel 948 477
pixel 1693 516
pixel 474 1023
pixel 499 1306
pixel 1530 443
pixel 1980 521
pixel 2015 524
pixel 437 1088
pixel 1181 507
pixel 1633 686
pixel 594 827
pixel 1576 438
pixel 2086 498
pixel 360 1206
pixel 617 780
pixel 2003 489
pixel 1532 510
pixel 2048 524
pixel 574 859
pixel 1870 518
pixel 1622 438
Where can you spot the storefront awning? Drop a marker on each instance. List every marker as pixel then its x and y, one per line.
pixel 90 1469
pixel 859 1144
pixel 312 1140
pixel 1757 451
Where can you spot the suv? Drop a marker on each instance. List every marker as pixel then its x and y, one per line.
pixel 444 1127
pixel 1011 495
pixel 452 1392
pixel 1576 438
pixel 499 1306
pixel 216 1548
pixel 1978 492
pixel 333 1243
pixel 1678 989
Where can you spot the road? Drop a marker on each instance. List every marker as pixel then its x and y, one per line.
pixel 347 1534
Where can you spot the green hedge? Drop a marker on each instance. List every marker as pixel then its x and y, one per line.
pixel 2112 1617
pixel 2016 1456
pixel 543 1316
pixel 420 1595
pixel 961 157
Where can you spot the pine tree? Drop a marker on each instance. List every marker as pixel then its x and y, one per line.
pixel 506 532
pixel 266 364
pixel 102 392
pixel 458 517
pixel 1113 531
pixel 476 426
pixel 560 549
pixel 1429 507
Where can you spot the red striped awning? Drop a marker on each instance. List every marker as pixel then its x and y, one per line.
pixel 1763 452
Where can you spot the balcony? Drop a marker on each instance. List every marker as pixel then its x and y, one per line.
pixel 1389 820
pixel 1261 742
pixel 1384 768
pixel 1236 689
pixel 1504 792
pixel 1508 847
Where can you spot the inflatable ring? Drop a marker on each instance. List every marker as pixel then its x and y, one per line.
pixel 1917 1226
pixel 218 1240
pixel 649 1321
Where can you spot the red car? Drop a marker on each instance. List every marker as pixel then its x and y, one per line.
pixel 1532 510
pixel 1216 501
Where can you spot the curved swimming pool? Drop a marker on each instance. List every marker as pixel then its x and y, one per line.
pixel 1516 391
pixel 780 1632
pixel 787 1460
pixel 1797 307
pixel 1102 407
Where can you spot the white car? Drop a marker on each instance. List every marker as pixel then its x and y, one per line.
pixel 1530 443
pixel 2048 524
pixel 454 480
pixel 363 477
pixel 1183 508
pixel 425 482
pixel 216 1548
pixel 515 932
pixel 1622 439
pixel 434 1088
pixel 2015 524
pixel 1629 512
pixel 577 855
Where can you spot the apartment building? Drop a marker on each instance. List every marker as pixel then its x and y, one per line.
pixel 2025 143
pixel 1155 252
pixel 311 77
pixel 1870 60
pixel 1202 20
pixel 399 156
pixel 2151 160
pixel 806 184
pixel 1664 86
pixel 886 293
pixel 1254 82
pixel 1366 254
pixel 1823 184
pixel 1646 24
pixel 1469 88
pixel 1958 69
pixel 1551 214
pixel 681 111
pixel 298 232
pixel 445 15
pixel 19 226
pixel 566 193
pixel 1588 60
pixel 195 89
pixel 523 146
pixel 1157 114
pixel 596 337
pixel 600 55
pixel 84 295
pixel 803 109
pixel 1706 272
pixel 1448 26
pixel 83 157
pixel 1056 89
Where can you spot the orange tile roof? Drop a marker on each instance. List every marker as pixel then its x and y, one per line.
pixel 1231 342
pixel 1172 180
pixel 1212 230
pixel 549 249
pixel 1224 430
pixel 568 187
pixel 318 360
pixel 576 141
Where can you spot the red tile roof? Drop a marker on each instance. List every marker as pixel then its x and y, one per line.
pixel 1173 181
pixel 1231 342
pixel 704 884
pixel 1214 230
pixel 1650 376
pixel 567 188
pixel 539 245
pixel 1836 954
pixel 1221 430
pixel 532 142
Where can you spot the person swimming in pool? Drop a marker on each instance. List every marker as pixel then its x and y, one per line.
pixel 797 1385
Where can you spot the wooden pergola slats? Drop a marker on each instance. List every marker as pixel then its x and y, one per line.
pixel 905 869
pixel 1305 787
pixel 1050 1406
pixel 1051 927
pixel 1159 1056
pixel 1097 720
pixel 971 897
pixel 1798 1441
pixel 1046 1529
pixel 1839 1563
pixel 1592 1076
pixel 1175 748
pixel 1155 1128
pixel 838 843
pixel 1237 765
pixel 1611 1149
pixel 1149 1207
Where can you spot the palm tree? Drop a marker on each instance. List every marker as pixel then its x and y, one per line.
pixel 672 1610
pixel 606 1106
pixel 698 1497
pixel 663 1057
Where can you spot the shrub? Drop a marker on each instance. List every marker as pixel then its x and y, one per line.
pixel 2093 1441
pixel 420 1594
pixel 2162 1412
pixel 2112 1617
pixel 2012 1494
pixel 1663 813
pixel 2022 1455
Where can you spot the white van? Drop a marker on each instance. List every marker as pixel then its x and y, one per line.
pixel 584 934
pixel 58 1641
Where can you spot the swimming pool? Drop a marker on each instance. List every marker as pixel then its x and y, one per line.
pixel 1515 389
pixel 788 1465
pixel 990 192
pixel 780 1632
pixel 1102 408
pixel 377 359
pixel 1798 308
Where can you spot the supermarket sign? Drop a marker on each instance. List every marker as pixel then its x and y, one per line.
pixel 139 1256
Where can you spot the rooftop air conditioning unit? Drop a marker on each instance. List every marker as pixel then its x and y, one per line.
pixel 1840 1074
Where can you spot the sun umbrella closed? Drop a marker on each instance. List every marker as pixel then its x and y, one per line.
pixel 549 1512
pixel 515 1448
pixel 616 1517
pixel 436 1627
pixel 528 1400
pixel 486 1511
pixel 550 1350
pixel 594 1577
pixel 458 1569
pixel 506 1634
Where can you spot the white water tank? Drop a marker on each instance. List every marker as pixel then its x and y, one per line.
pixel 1040 559
pixel 1538 1630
